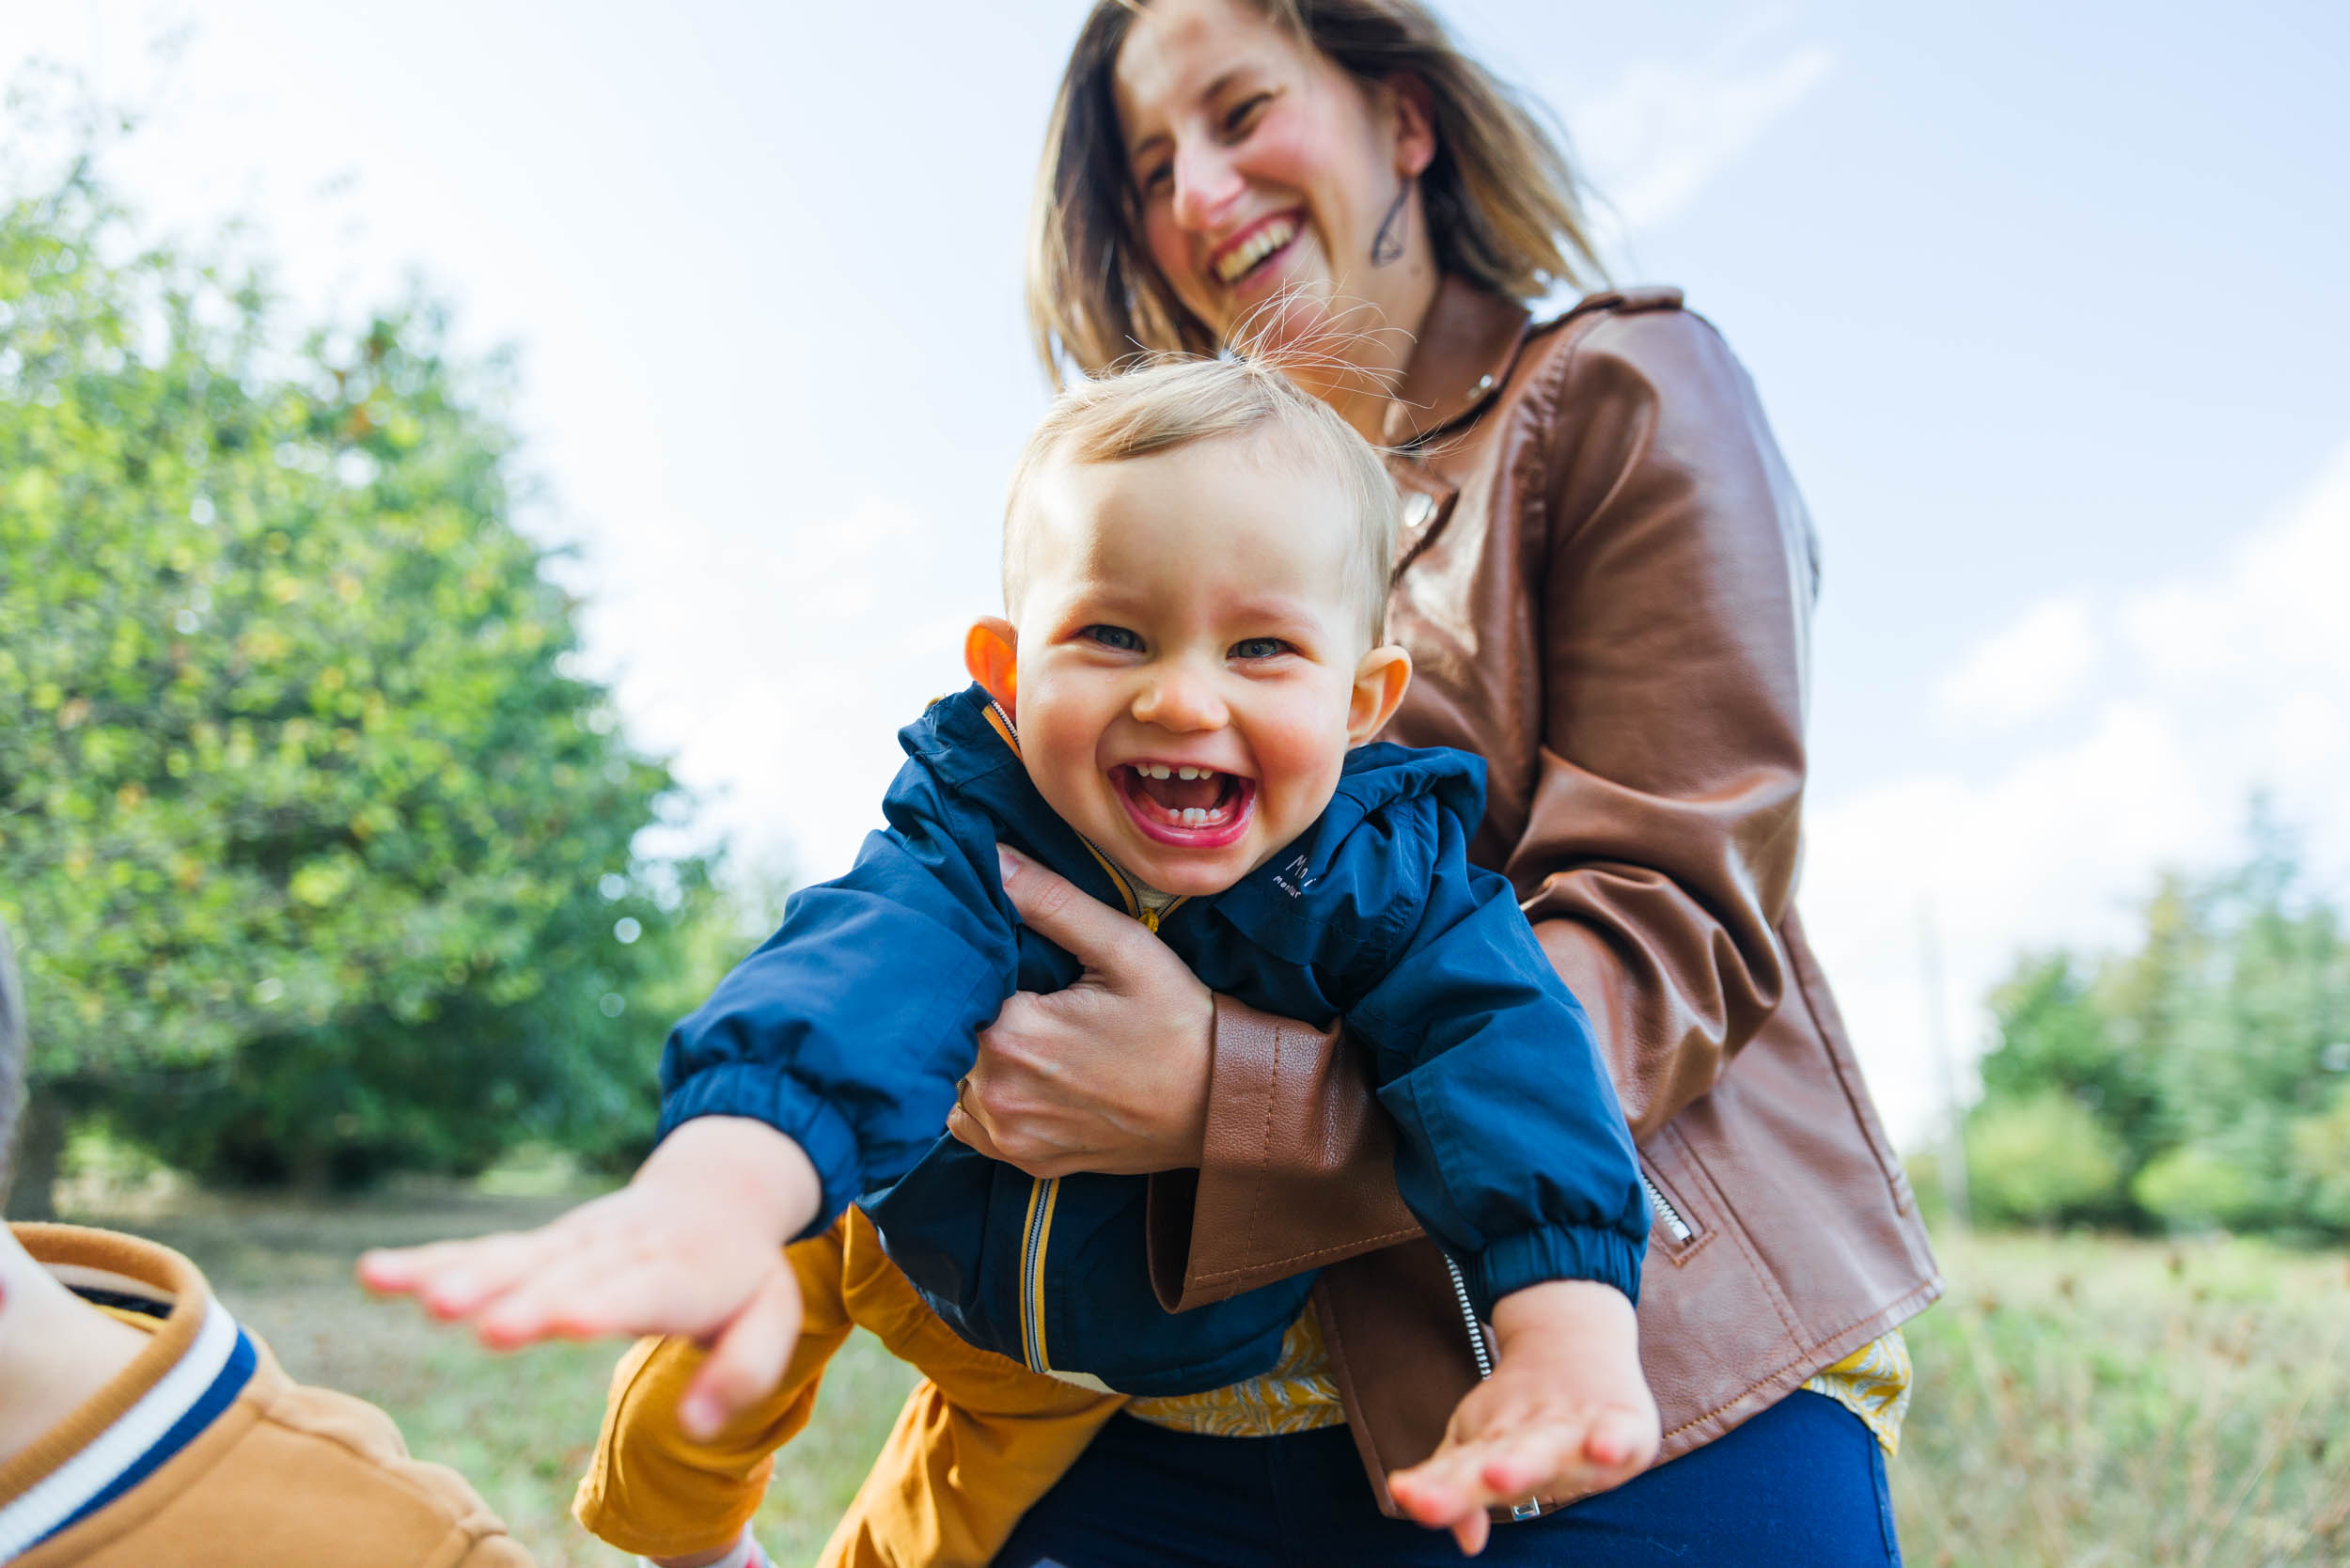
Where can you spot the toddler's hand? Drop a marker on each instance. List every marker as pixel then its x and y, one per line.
pixel 1565 1413
pixel 693 1247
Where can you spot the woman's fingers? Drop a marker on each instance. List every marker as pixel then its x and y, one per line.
pixel 967 1128
pixel 1056 907
pixel 749 1357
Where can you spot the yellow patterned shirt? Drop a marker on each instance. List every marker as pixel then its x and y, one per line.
pixel 1298 1394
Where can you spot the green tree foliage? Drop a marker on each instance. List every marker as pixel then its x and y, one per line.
pixel 2211 1066
pixel 2039 1157
pixel 320 853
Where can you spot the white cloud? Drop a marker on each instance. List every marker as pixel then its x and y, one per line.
pixel 1652 141
pixel 2234 682
pixel 2030 668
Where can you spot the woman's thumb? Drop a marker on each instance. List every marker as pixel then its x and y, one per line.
pixel 1055 908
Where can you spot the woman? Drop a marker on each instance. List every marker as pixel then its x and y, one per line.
pixel 1605 583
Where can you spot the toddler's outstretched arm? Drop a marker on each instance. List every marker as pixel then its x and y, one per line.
pixel 691 1246
pixel 1566 1411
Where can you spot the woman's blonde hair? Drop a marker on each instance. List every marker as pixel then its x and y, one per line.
pixel 1500 197
pixel 1156 406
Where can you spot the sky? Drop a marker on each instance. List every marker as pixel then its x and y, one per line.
pixel 2047 306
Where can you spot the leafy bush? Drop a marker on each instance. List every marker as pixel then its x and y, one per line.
pixel 2039 1160
pixel 2207 1066
pixel 2199 1186
pixel 2321 1163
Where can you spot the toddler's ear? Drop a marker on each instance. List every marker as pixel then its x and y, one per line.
pixel 990 653
pixel 1380 681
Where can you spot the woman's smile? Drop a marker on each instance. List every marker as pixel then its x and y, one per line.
pixel 1257 248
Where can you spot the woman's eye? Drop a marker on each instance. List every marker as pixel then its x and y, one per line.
pixel 1260 647
pixel 1244 114
pixel 1113 637
pixel 1152 179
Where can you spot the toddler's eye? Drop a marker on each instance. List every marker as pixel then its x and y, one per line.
pixel 1113 637
pixel 1259 648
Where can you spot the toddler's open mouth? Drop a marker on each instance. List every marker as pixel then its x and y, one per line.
pixel 1185 808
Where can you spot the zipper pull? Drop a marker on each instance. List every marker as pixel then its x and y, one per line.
pixel 1151 921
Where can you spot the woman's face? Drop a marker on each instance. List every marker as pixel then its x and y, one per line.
pixel 1264 169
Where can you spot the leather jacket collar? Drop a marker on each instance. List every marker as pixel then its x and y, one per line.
pixel 1467 343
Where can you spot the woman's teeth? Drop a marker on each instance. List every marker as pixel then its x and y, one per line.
pixel 1272 237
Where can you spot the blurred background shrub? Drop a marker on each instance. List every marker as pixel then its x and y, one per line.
pixel 2201 1081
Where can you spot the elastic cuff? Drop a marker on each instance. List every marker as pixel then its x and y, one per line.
pixel 764 1094
pixel 1598 1253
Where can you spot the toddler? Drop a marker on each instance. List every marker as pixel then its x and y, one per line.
pixel 1176 715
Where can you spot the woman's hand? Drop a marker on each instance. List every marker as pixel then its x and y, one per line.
pixel 1110 1075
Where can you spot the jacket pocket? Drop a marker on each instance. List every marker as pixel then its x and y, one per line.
pixel 1677 1226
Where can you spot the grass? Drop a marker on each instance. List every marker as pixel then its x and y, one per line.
pixel 2099 1401
pixel 2080 1401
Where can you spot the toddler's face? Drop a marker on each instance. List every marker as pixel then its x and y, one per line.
pixel 1191 660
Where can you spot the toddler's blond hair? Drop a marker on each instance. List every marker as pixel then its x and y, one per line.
pixel 1172 402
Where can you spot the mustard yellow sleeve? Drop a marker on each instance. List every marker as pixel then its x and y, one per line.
pixel 653 1490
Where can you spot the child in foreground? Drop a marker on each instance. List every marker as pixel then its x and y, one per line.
pixel 1175 716
pixel 140 1424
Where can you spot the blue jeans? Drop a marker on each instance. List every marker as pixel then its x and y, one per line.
pixel 1801 1484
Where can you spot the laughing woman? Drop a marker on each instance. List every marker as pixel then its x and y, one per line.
pixel 1605 583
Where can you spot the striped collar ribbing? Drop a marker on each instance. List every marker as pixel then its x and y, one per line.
pixel 171 1412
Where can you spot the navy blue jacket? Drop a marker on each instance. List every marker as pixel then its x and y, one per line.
pixel 848 1030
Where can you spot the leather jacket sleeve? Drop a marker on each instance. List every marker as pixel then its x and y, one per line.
pixel 1660 853
pixel 1676 582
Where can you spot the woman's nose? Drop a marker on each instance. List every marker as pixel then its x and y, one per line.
pixel 1180 700
pixel 1205 183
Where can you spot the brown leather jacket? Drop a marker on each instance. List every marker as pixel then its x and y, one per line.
pixel 1605 582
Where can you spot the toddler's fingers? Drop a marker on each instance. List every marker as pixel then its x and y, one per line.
pixel 403 1268
pixel 1622 1439
pixel 749 1359
pixel 1470 1531
pixel 1439 1489
pixel 479 1272
pixel 564 1296
pixel 1532 1459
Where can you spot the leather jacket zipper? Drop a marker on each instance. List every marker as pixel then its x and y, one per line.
pixel 1468 1316
pixel 1531 1507
pixel 1667 1215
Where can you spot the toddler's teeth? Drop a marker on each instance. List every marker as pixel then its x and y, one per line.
pixel 1187 772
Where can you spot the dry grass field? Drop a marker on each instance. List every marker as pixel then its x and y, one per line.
pixel 2080 1401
